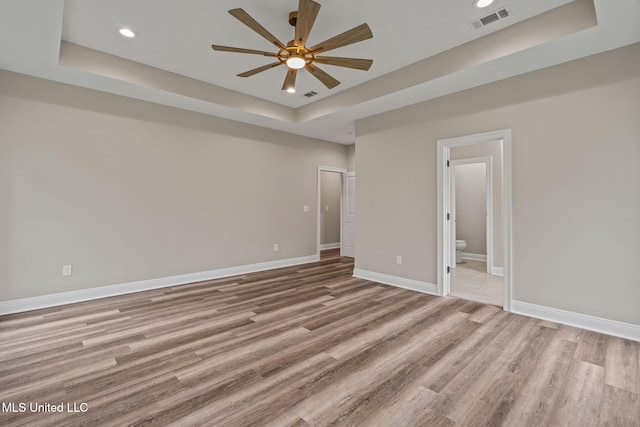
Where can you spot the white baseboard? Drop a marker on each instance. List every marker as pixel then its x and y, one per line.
pixel 401 282
pixel 584 321
pixel 498 271
pixel 329 246
pixel 44 301
pixel 478 257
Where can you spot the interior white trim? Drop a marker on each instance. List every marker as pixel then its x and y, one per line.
pixel 44 301
pixel 329 246
pixel 347 249
pixel 400 282
pixel 497 271
pixel 479 257
pixel 443 203
pixel 584 321
pixel 343 191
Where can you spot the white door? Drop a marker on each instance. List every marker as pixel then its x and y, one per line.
pixel 348 241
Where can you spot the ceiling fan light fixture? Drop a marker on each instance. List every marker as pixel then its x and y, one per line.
pixel 296 62
pixel 482 3
pixel 295 54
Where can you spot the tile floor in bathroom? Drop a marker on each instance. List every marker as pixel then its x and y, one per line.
pixel 471 281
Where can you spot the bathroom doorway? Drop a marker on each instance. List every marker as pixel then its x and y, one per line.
pixel 477 167
pixel 472 224
pixel 472 209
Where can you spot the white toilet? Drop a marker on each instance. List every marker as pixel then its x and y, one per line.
pixel 460 246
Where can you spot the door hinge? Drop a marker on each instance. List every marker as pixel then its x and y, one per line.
pixel 448 216
pixel 448 269
pixel 448 163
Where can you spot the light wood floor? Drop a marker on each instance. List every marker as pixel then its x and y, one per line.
pixel 470 280
pixel 310 345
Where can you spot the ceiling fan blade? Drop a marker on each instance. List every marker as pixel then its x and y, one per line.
pixel 290 79
pixel 358 64
pixel 247 20
pixel 260 69
pixel 354 35
pixel 241 50
pixel 325 78
pixel 307 13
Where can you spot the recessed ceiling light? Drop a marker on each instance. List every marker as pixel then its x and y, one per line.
pixel 296 62
pixel 291 90
pixel 127 33
pixel 482 3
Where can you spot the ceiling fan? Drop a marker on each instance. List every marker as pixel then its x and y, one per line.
pixel 296 54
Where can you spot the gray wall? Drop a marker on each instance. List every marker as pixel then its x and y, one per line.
pixel 471 206
pixel 126 190
pixel 330 207
pixel 351 157
pixel 576 182
pixel 494 150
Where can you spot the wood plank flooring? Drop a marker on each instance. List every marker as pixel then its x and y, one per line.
pixel 309 345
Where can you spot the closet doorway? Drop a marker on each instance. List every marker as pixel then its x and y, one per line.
pixel 333 216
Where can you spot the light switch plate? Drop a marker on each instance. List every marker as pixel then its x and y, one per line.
pixel 305 208
pixel 66 270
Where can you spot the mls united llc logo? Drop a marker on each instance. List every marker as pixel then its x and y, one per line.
pixel 21 407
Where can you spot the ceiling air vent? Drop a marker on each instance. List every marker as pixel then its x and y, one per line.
pixel 494 16
pixel 310 94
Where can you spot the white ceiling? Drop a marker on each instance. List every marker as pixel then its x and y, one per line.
pixel 176 37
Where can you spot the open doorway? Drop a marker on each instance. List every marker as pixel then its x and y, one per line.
pixel 472 204
pixel 332 212
pixel 472 208
pixel 474 258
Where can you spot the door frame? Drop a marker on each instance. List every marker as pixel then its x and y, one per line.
pixel 343 183
pixel 443 205
pixel 487 160
pixel 345 215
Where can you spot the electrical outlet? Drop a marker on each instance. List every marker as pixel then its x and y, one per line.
pixel 66 270
pixel 275 247
pixel 305 208
pixel 398 260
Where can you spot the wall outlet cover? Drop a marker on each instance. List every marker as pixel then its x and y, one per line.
pixel 67 270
